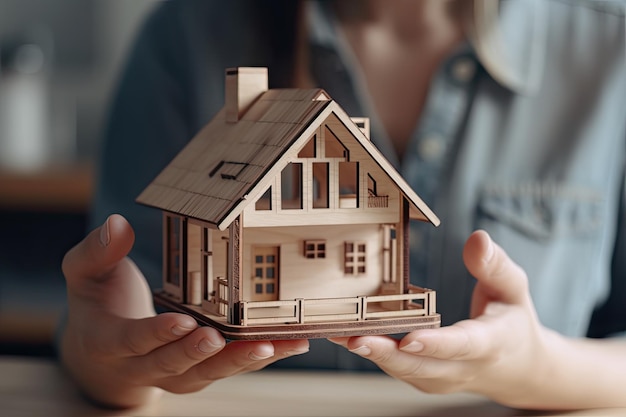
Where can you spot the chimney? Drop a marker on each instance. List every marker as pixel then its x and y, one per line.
pixel 243 86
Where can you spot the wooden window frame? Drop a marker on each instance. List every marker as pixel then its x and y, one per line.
pixel 315 249
pixel 355 258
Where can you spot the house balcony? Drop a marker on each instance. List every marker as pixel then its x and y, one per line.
pixel 378 201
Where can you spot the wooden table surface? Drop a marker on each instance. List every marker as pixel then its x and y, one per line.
pixel 38 387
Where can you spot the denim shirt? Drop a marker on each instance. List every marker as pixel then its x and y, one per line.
pixel 538 163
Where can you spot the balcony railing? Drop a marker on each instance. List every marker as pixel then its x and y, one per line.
pixel 420 302
pixel 378 201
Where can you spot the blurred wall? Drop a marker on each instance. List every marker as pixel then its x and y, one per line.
pixel 59 60
pixel 83 43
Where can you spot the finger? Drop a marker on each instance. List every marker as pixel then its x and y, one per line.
pixel 341 341
pixel 465 340
pixel 235 358
pixel 240 356
pixel 177 357
pixel 99 250
pixel 282 349
pixel 384 352
pixel 499 277
pixel 140 337
pixel 286 348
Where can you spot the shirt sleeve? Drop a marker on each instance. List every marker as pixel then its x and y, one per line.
pixel 171 86
pixel 149 122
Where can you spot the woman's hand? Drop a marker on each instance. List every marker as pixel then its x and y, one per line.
pixel 500 352
pixel 119 351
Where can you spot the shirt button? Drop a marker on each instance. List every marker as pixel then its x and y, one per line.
pixel 431 148
pixel 463 70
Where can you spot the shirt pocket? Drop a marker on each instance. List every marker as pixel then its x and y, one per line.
pixel 542 211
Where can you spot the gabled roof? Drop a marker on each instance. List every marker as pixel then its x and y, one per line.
pixel 212 176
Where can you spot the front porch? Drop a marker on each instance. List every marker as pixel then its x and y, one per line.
pixel 320 318
pixel 418 302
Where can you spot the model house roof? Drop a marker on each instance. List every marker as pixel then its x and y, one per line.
pixel 212 177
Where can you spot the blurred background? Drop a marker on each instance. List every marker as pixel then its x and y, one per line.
pixel 59 61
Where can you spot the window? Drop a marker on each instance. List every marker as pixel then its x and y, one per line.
pixel 207 263
pixel 308 151
pixel 390 248
pixel 371 186
pixel 348 184
pixel 333 146
pixel 354 258
pixel 265 277
pixel 320 185
pixel 314 249
pixel 291 186
pixel 173 250
pixel 265 201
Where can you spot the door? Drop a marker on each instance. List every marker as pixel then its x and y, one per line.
pixel 265 273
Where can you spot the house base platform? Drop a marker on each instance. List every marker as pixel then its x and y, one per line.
pixel 309 330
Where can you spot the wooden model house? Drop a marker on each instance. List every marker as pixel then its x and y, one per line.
pixel 282 220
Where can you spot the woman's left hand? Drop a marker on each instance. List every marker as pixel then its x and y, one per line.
pixel 499 352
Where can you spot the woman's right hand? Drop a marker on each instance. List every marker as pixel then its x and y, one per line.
pixel 119 351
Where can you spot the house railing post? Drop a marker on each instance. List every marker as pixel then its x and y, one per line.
pixel 363 306
pixel 300 310
pixel 243 313
pixel 239 311
pixel 432 303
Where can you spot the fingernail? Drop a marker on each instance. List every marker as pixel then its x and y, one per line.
pixel 105 236
pixel 491 250
pixel 295 352
pixel 413 347
pixel 178 330
pixel 256 357
pixel 362 350
pixel 207 346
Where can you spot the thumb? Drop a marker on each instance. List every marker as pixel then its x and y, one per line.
pixel 101 250
pixel 499 278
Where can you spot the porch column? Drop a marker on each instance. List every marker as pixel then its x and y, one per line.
pixel 405 246
pixel 234 269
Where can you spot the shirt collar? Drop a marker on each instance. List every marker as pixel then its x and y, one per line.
pixel 509 37
pixel 510 40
